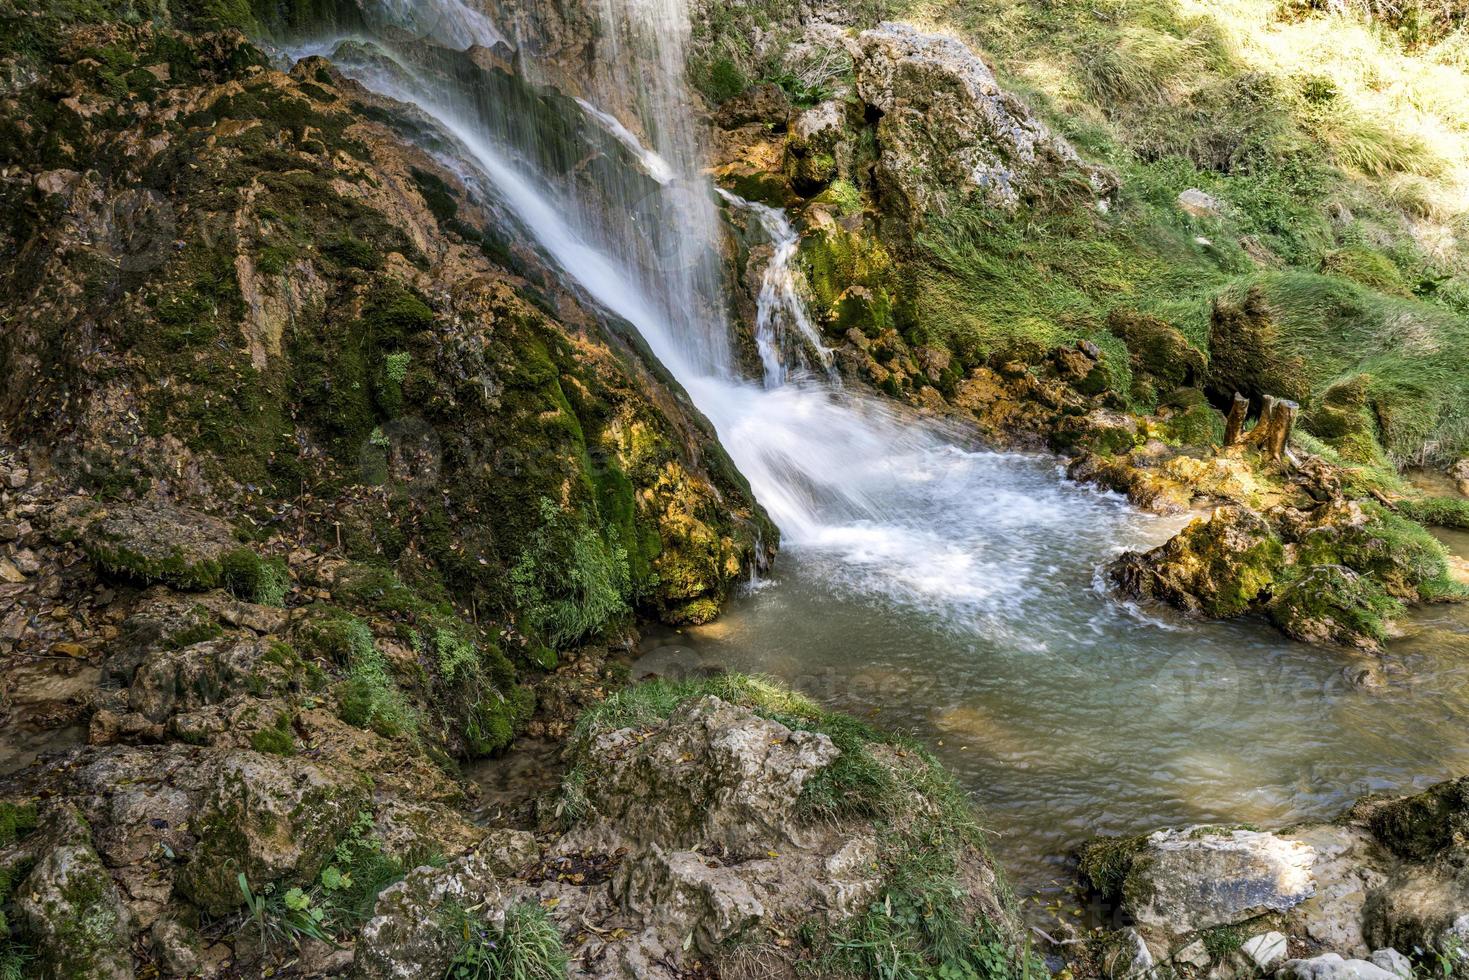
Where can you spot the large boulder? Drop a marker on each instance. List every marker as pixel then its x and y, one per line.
pixel 713 772
pixel 412 931
pixel 946 124
pixel 1182 881
pixel 270 818
pixel 157 541
pixel 1215 567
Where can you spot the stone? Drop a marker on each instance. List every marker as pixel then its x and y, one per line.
pixel 763 103
pixel 948 127
pixel 9 573
pixel 714 771
pixel 1215 567
pixel 709 904
pixel 176 948
pixel 1417 908
pixel 1330 966
pixel 1460 474
pixel 1184 881
pixel 1198 203
pixel 157 541
pixel 406 937
pixel 274 819
pixel 1393 962
pixel 1194 954
pixel 73 910
pixel 1265 950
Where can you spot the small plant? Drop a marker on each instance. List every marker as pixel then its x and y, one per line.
pixel 277 739
pixel 282 920
pixel 528 948
pixel 396 365
pixel 570 581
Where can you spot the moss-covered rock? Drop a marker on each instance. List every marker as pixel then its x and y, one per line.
pixel 271 818
pixel 1333 604
pixel 1215 567
pixel 81 929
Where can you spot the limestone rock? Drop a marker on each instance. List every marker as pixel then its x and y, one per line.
pixel 764 103
pixel 1331 604
pixel 409 936
pixel 1215 567
pixel 946 123
pixel 71 905
pixel 1198 203
pixel 1460 473
pixel 1265 950
pixel 1330 966
pixel 1183 881
pixel 273 819
pixel 712 772
pixel 1393 962
pixel 157 541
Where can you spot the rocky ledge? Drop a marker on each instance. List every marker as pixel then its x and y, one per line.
pixel 700 830
pixel 1381 892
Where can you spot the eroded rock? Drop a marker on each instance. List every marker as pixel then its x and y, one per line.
pixel 1215 567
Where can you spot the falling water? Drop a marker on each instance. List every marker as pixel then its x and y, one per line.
pixel 783 329
pixel 924 582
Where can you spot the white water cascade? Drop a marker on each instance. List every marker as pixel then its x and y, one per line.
pixel 932 586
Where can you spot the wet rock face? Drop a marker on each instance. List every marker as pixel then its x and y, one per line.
pixel 1215 567
pixel 946 124
pixel 1353 898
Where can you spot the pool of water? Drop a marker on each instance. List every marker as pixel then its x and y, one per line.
pixel 978 623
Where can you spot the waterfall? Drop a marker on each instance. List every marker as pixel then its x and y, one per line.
pixel 783 328
pixel 851 475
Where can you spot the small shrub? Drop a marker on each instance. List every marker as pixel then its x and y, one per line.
pixel 265 581
pixel 570 581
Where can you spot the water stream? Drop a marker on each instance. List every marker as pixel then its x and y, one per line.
pixel 923 582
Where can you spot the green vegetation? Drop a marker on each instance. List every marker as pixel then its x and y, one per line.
pixel 277 739
pixel 261 580
pixel 570 581
pixel 1104 863
pixel 1452 512
pixel 529 947
pixel 923 925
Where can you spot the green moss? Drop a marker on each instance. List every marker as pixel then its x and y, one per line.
pixel 178 569
pixel 1330 603
pixel 1105 862
pixel 16 821
pixel 277 739
pixel 1404 559
pixel 265 581
pixel 1417 828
